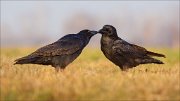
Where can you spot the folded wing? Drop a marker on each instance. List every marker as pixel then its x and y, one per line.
pixel 65 46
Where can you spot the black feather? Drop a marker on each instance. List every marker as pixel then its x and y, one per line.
pixel 25 60
pixel 155 54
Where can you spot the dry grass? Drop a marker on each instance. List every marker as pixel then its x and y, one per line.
pixel 90 77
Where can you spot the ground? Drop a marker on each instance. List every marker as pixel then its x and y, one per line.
pixel 90 77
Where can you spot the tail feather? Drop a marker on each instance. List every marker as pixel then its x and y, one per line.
pixel 155 54
pixel 151 60
pixel 25 60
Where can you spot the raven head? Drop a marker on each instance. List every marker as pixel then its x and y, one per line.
pixel 88 33
pixel 108 30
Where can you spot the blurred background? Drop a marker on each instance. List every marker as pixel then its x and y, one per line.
pixel 37 23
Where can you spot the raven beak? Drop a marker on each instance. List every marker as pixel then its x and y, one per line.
pixel 94 32
pixel 100 31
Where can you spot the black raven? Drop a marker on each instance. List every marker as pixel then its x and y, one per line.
pixel 122 53
pixel 60 53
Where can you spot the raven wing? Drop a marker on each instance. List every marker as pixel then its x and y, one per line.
pixel 64 46
pixel 124 48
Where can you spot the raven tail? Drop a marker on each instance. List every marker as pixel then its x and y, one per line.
pixel 151 60
pixel 155 54
pixel 25 60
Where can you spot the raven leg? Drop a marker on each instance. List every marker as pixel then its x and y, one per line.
pixel 59 69
pixel 125 68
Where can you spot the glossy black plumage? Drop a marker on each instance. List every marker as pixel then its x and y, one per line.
pixel 122 53
pixel 60 53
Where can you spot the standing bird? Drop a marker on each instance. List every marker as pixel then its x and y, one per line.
pixel 60 53
pixel 122 53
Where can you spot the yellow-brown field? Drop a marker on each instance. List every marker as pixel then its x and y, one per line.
pixel 90 77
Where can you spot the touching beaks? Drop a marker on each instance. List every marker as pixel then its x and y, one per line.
pixel 101 31
pixel 94 32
